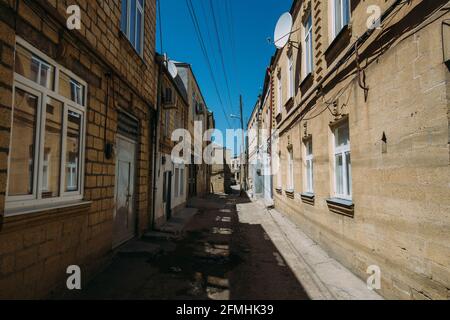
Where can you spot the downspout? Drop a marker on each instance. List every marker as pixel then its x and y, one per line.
pixel 269 149
pixel 156 128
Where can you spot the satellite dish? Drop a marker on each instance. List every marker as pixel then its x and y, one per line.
pixel 283 30
pixel 172 69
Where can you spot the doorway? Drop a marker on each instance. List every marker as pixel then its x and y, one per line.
pixel 167 194
pixel 124 214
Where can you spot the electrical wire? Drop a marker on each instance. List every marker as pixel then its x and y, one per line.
pixel 160 27
pixel 205 54
pixel 216 29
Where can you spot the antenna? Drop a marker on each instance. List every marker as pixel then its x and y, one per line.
pixel 283 30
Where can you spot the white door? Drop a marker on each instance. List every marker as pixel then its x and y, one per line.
pixel 124 215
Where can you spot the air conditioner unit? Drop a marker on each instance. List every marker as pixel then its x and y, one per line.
pixel 199 108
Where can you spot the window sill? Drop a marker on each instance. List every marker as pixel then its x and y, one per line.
pixel 289 104
pixel 339 43
pixel 341 206
pixel 308 198
pixel 290 194
pixel 279 117
pixel 26 217
pixel 10 213
pixel 124 38
pixel 306 83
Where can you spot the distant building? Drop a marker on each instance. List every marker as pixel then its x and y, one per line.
pixel 221 172
pixel 199 171
pixel 171 173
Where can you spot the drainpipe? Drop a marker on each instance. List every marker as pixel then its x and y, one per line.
pixel 156 127
pixel 269 149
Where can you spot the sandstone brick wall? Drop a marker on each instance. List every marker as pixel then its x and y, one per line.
pixel 401 215
pixel 36 248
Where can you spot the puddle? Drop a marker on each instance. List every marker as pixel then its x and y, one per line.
pixel 218 282
pixel 223 231
pixel 223 219
pixel 218 293
pixel 280 260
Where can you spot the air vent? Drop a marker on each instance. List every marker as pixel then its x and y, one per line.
pixel 127 125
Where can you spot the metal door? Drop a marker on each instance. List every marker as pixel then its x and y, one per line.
pixel 124 215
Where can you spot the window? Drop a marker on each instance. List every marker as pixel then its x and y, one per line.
pixel 342 160
pixel 47 132
pixel 73 150
pixel 132 22
pixel 71 89
pixel 280 95
pixel 52 149
pixel 290 173
pixel 291 76
pixel 308 45
pixel 309 167
pixel 279 178
pixel 341 15
pixel 34 68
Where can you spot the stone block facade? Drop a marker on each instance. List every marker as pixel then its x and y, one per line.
pixel 37 244
pixel 397 215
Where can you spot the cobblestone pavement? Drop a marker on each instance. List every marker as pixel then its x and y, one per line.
pixel 217 257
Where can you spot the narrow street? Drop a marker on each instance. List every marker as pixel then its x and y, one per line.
pixel 215 257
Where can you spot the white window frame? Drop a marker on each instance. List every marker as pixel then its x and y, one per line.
pixel 308 42
pixel 280 95
pixel 279 177
pixel 342 150
pixel 309 173
pixel 140 30
pixel 290 75
pixel 290 171
pixel 334 14
pixel 35 200
pixel 41 63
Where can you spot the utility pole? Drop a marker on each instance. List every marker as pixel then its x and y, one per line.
pixel 243 175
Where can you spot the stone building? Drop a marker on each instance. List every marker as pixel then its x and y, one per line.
pixel 200 120
pixel 221 173
pixel 76 134
pixel 255 180
pixel 171 170
pixel 363 136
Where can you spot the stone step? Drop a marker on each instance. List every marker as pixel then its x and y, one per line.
pixel 177 223
pixel 139 248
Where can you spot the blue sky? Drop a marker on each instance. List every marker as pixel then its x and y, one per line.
pixel 244 25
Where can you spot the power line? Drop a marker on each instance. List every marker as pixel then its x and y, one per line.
pixel 205 53
pixel 160 27
pixel 221 53
pixel 231 33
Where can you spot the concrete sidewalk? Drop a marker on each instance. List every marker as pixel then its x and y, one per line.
pixel 322 277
